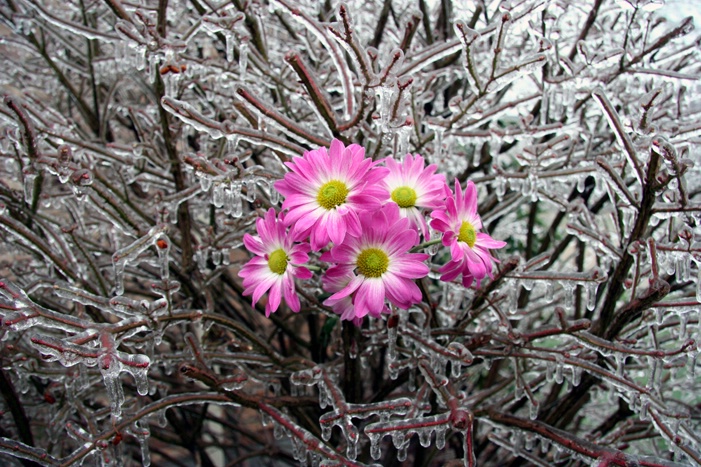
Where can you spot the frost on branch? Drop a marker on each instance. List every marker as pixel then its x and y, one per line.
pixel 169 175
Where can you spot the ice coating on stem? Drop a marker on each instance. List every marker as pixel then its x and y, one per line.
pixel 131 253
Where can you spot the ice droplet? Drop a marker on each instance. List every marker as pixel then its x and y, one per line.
pixel 590 290
pixel 229 37
pixel 385 94
pixel 29 178
pixel 243 58
pixel 375 446
pixel 533 410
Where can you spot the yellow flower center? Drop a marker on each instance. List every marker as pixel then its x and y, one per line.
pixel 277 261
pixel 404 196
pixel 332 194
pixel 467 234
pixel 372 262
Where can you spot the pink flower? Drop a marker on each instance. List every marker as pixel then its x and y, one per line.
pixel 276 264
pixel 413 187
pixel 469 248
pixel 325 190
pixel 334 280
pixel 378 263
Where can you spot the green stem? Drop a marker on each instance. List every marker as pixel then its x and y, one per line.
pixel 423 245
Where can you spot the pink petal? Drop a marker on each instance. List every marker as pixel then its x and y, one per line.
pixel 486 241
pixel 291 297
pixel 451 270
pixel 336 227
pixel 467 280
pixel 254 245
pixel 254 271
pixel 440 221
pixel 401 292
pixel 402 242
pixel 274 297
pixel 457 250
pixel 470 202
pixel 347 290
pixel 298 257
pixel 353 226
pixel 303 273
pixel 264 285
pixel 297 199
pixel 371 294
pixel 409 269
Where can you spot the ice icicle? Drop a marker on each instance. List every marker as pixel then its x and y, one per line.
pixel 590 289
pixel 691 365
pixel 518 388
pixel 205 181
pixel 569 293
pixel 549 371
pixel 548 292
pixel 403 134
pixel 142 434
pixel 130 253
pixel 500 186
pixel 576 375
pixel 137 366
pixel 229 38
pixel 236 201
pixel 243 58
pixel 375 451
pixel 170 80
pixel 533 409
pixel 440 436
pixel 115 392
pixel 392 329
pixel 218 195
pixel 683 261
pixel 29 177
pixel 385 94
pixel 463 356
pixel 439 132
pixel 163 248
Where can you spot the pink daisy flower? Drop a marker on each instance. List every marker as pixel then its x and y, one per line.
pixel 335 280
pixel 326 189
pixel 379 263
pixel 277 262
pixel 413 186
pixel 469 248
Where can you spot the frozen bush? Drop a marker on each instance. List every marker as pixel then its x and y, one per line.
pixel 141 140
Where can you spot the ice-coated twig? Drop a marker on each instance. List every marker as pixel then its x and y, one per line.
pixel 321 33
pixel 88 33
pixel 28 314
pixel 267 111
pixel 315 92
pixel 216 130
pixel 131 252
pixel 618 183
pixel 348 39
pixel 309 442
pixel 16 448
pixel 576 444
pixel 621 135
pixel 172 400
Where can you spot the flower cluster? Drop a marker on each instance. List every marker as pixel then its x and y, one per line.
pixel 365 218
